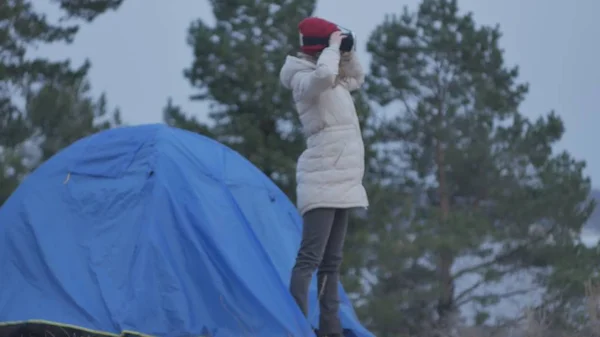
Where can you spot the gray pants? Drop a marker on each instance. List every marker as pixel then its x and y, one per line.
pixel 322 245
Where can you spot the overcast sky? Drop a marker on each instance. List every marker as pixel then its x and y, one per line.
pixel 139 52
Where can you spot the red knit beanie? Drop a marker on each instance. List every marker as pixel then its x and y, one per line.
pixel 316 27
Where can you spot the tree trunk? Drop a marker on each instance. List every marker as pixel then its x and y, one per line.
pixel 446 259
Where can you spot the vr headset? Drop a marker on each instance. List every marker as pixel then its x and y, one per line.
pixel 348 42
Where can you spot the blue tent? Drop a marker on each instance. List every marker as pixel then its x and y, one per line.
pixel 156 231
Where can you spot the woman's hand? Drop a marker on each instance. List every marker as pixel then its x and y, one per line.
pixel 336 38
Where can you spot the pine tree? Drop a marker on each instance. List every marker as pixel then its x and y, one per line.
pixel 236 68
pixel 55 116
pixel 21 29
pixel 60 115
pixel 485 182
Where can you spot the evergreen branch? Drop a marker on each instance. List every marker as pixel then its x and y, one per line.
pixel 501 296
pixel 460 297
pixel 503 257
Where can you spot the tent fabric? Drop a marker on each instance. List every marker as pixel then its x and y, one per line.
pixel 157 231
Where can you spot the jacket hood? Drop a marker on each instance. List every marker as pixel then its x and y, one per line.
pixel 291 67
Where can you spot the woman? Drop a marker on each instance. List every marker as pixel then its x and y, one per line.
pixel 330 171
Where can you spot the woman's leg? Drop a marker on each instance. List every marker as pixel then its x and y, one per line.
pixel 329 276
pixel 315 233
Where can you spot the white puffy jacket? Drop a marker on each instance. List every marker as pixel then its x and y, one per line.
pixel 331 169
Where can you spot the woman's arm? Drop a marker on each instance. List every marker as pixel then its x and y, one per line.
pixel 353 75
pixel 310 83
